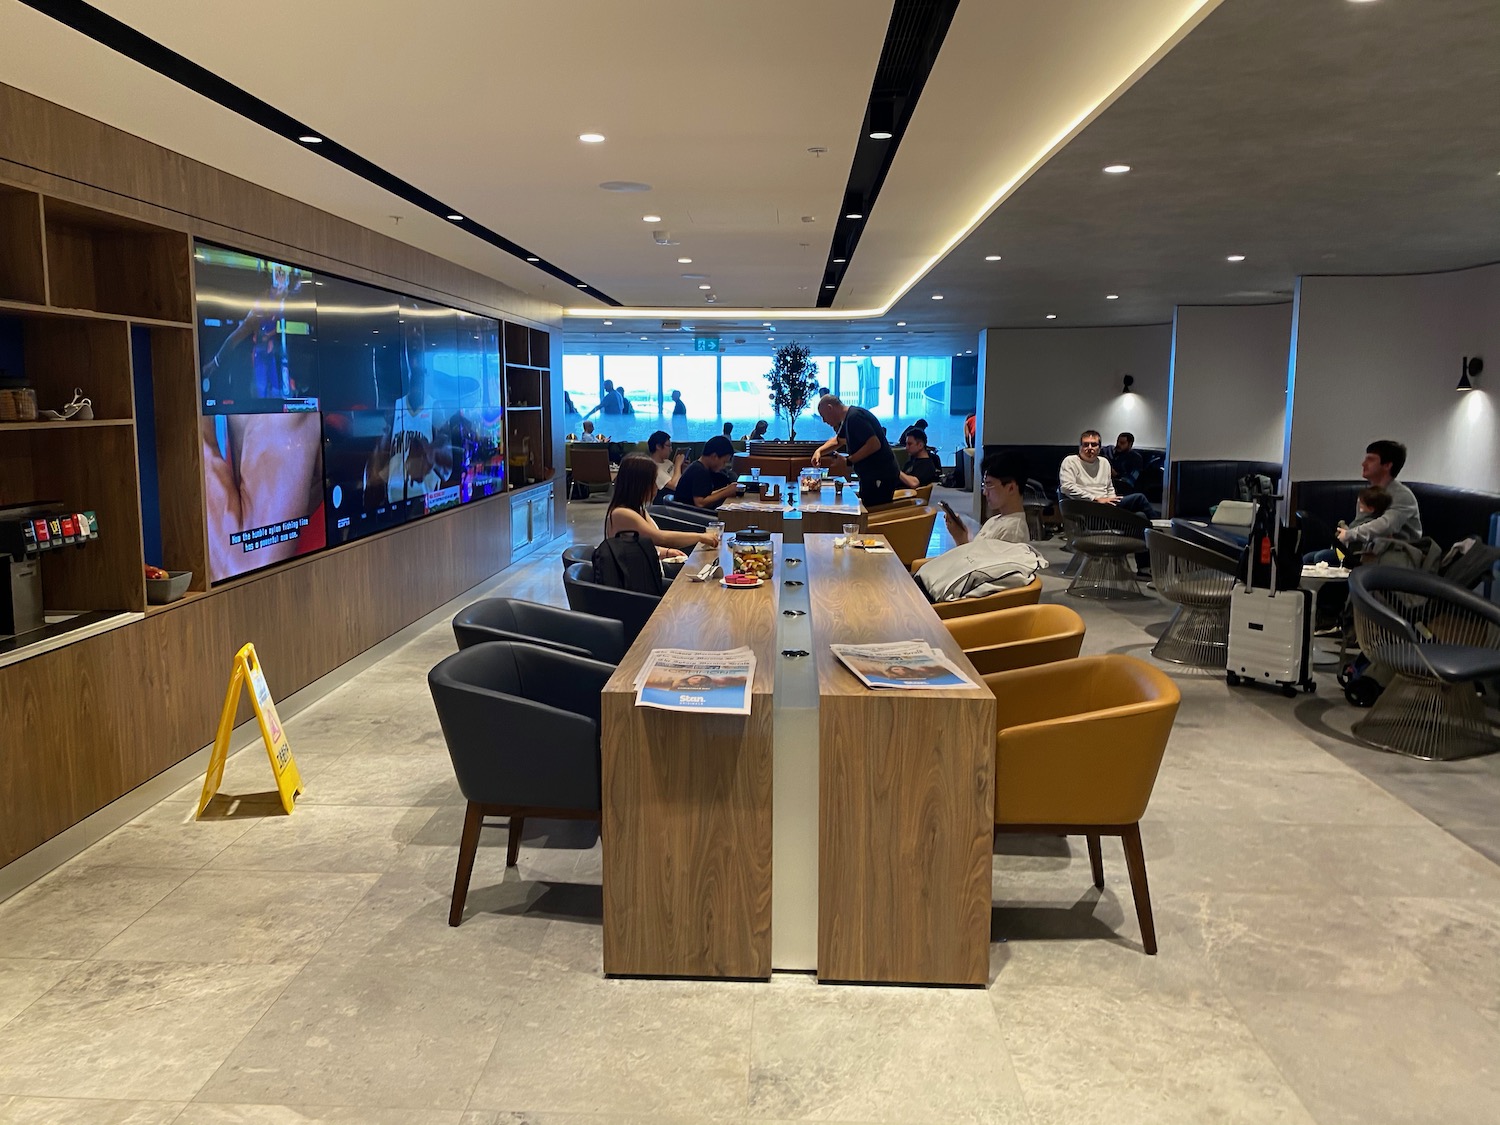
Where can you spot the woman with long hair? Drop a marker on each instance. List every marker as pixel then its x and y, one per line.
pixel 635 488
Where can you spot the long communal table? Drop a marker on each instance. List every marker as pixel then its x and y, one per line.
pixel 824 512
pixel 834 829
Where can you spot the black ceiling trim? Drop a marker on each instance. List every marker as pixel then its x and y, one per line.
pixel 110 32
pixel 912 41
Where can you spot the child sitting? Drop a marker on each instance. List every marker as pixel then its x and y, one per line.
pixel 1371 502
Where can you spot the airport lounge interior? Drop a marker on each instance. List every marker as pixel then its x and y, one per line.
pixel 1049 446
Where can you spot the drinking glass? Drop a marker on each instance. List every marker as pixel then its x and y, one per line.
pixel 851 530
pixel 755 474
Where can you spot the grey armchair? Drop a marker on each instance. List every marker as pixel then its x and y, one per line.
pixel 1437 641
pixel 578 552
pixel 1198 582
pixel 522 727
pixel 510 619
pixel 632 610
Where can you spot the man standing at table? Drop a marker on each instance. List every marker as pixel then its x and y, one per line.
pixel 867 452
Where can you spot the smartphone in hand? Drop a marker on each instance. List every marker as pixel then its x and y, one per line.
pixel 947 511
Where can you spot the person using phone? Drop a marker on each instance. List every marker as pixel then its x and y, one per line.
pixel 1003 475
pixel 668 464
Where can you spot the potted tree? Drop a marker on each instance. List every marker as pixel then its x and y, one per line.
pixel 793 379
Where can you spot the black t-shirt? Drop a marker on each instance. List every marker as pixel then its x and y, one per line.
pixel 858 428
pixel 925 469
pixel 699 480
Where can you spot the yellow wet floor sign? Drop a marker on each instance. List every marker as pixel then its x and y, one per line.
pixel 272 733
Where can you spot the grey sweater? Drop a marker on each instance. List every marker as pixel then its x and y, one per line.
pixel 1401 520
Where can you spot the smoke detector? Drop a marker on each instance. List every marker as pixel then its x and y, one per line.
pixel 663 238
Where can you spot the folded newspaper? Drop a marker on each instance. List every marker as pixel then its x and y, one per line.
pixel 681 679
pixel 901 664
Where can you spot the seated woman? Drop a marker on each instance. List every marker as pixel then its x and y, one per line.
pixel 635 488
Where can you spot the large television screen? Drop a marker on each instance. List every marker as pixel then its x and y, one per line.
pixel 261 431
pixel 334 409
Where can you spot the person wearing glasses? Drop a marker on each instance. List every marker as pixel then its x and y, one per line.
pixel 1086 476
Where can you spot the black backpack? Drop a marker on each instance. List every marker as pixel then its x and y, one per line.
pixel 629 562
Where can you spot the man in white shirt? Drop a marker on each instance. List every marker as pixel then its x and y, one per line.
pixel 1086 476
pixel 1003 475
pixel 668 466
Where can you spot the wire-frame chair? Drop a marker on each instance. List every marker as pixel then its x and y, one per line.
pixel 1437 641
pixel 1198 582
pixel 1108 538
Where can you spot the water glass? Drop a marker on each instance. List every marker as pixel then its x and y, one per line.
pixel 755 474
pixel 851 530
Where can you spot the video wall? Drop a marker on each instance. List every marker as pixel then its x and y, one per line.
pixel 333 409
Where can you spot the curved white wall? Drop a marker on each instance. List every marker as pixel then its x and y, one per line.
pixel 1228 388
pixel 1044 386
pixel 1379 357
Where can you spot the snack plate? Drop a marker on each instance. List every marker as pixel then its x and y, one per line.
pixel 741 585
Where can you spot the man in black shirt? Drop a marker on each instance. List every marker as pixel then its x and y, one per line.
pixel 706 483
pixel 1125 465
pixel 921 466
pixel 867 451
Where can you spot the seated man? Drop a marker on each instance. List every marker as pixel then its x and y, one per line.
pixel 1003 475
pixel 1402 520
pixel 706 483
pixel 1126 465
pixel 1084 476
pixel 668 464
pixel 921 466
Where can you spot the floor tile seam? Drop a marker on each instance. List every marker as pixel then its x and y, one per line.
pixel 1260 1044
pixel 75 967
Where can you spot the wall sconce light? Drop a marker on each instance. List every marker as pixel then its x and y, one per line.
pixel 1129 382
pixel 1472 369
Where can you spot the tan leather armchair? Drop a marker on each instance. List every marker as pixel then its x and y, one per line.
pixel 895 508
pixel 922 495
pixel 1024 637
pixel 908 535
pixel 1077 752
pixel 1029 594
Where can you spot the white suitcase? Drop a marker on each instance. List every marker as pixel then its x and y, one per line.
pixel 1270 639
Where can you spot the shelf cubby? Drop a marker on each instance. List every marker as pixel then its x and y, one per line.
pixel 112 264
pixel 62 353
pixel 179 453
pixel 517 344
pixel 23 270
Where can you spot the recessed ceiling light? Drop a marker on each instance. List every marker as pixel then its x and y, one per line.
pixel 684 261
pixel 650 218
pixel 880 136
pixel 854 215
pixel 900 324
pixel 992 257
pixel 643 337
pixel 1051 316
pixel 937 296
pixel 1112 297
pixel 583 285
pixel 1235 258
pixel 968 351
pixel 765 324
pixel 533 259
pixel 455 218
pixel 839 261
pixel 311 139
pixel 830 287
pixel 1117 169
pixel 608 322
pixel 705 287
pixel 879 338
pixel 591 138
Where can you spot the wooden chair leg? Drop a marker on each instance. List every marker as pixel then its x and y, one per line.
pixel 1096 859
pixel 468 845
pixel 513 844
pixel 1135 863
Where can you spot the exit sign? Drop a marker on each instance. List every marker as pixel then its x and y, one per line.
pixel 706 344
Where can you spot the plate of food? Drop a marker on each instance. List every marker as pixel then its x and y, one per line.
pixel 738 581
pixel 868 544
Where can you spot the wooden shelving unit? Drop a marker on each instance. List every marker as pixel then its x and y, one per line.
pixel 86 291
pixel 528 405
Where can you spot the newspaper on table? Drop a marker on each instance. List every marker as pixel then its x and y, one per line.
pixel 682 679
pixel 901 664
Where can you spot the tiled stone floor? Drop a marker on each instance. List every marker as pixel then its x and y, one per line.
pixel 1328 953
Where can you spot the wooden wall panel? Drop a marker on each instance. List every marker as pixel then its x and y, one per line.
pixel 94 469
pixel 87 723
pixel 179 463
pixel 23 274
pixel 54 150
pixel 16 486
